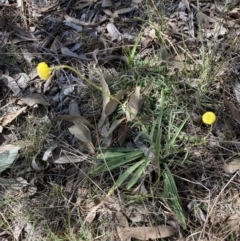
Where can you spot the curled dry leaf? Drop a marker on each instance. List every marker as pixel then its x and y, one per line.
pixel 48 152
pixel 81 132
pixel 39 165
pixel 95 53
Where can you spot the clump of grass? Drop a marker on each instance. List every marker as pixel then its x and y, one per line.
pixel 33 137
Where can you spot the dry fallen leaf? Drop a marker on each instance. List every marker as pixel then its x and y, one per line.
pixel 134 103
pixel 92 214
pixel 69 159
pixel 113 31
pixel 73 109
pixel 232 166
pixel 49 8
pixel 114 125
pixel 103 124
pixel 82 4
pixel 121 11
pixel 121 222
pixel 232 225
pixel 11 116
pixel 122 133
pixel 107 3
pixel 11 83
pixel 81 132
pixel 236 88
pixel 146 233
pixel 234 111
pixel 113 103
pixel 33 99
pixel 48 153
pixel 22 80
pixel 17 229
pixel 67 52
pixel 75 119
pixel 8 154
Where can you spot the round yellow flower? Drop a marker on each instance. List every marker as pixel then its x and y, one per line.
pixel 208 118
pixel 43 71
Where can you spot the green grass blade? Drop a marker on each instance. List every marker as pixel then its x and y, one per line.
pixel 134 49
pixel 171 141
pixel 117 149
pixel 171 193
pixel 178 131
pixel 116 161
pixel 127 173
pixel 159 130
pixel 138 173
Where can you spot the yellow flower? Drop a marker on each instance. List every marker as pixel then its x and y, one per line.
pixel 208 118
pixel 43 71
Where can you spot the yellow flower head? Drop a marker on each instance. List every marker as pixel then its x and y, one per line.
pixel 43 71
pixel 208 118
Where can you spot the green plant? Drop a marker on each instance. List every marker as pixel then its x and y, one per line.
pixel 162 146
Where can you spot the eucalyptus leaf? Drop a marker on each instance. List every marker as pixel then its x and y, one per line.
pixel 81 132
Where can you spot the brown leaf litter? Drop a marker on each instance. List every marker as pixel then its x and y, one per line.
pixel 95 35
